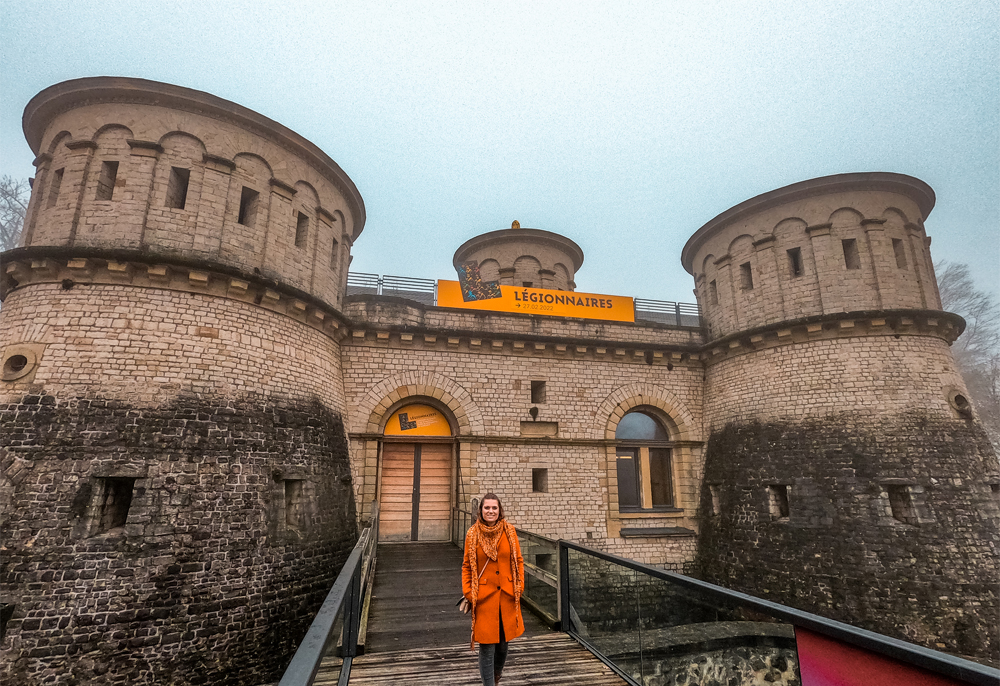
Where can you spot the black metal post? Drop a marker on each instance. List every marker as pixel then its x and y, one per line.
pixel 352 616
pixel 564 624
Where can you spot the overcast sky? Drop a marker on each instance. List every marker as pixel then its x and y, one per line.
pixel 624 126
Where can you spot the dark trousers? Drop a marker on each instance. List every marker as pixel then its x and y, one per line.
pixel 492 657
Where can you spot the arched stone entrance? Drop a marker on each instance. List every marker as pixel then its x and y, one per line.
pixel 416 474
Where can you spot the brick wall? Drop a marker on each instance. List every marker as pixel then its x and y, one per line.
pixel 224 421
pixel 488 381
pixel 843 425
pixel 222 155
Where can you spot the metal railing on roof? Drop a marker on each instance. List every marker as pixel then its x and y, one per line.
pixel 421 290
pixel 667 312
pixel 424 291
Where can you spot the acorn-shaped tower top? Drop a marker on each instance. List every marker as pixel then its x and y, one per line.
pixel 531 258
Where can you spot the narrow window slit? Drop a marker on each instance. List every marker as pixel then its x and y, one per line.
pixel 746 277
pixel 537 392
pixel 57 178
pixel 851 258
pixel 713 491
pixel 301 230
pixel 539 480
pixel 899 249
pixel 901 504
pixel 177 187
pixel 115 503
pixel 795 262
pixel 294 505
pixel 248 207
pixel 778 501
pixel 106 181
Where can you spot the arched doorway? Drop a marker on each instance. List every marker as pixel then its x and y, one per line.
pixel 416 482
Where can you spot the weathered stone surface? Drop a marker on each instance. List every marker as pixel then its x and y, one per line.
pixel 206 582
pixel 840 551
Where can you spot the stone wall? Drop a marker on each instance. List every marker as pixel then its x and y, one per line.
pixel 176 486
pixel 860 242
pixel 258 196
pixel 210 579
pixel 890 518
pixel 486 378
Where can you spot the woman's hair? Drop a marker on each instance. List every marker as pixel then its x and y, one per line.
pixel 490 496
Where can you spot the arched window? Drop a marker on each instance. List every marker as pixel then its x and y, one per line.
pixel 643 460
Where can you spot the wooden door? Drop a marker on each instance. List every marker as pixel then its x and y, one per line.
pixel 435 486
pixel 416 483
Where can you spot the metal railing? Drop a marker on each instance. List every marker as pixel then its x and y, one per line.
pixel 667 312
pixel 421 290
pixel 425 291
pixel 644 623
pixel 339 618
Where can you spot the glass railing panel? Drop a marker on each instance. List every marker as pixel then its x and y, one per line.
pixel 604 609
pixel 690 636
pixel 540 574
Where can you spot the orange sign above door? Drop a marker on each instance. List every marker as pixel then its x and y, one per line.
pixel 417 420
pixel 618 308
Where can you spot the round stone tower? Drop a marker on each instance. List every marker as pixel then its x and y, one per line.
pixel 176 488
pixel 523 257
pixel 846 471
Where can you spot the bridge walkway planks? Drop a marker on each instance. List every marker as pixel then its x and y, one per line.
pixel 416 635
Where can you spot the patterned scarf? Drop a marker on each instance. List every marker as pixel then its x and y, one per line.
pixel 488 538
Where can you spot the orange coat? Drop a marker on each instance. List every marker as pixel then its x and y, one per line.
pixel 496 592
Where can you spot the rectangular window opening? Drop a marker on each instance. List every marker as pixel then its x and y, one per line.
pixel 527 284
pixel 661 488
pixel 177 187
pixel 713 293
pixel 778 501
pixel 545 561
pixel 539 480
pixel 995 489
pixel 713 491
pixel 851 258
pixel 57 178
pixel 301 230
pixel 795 262
pixel 901 504
pixel 106 181
pixel 294 505
pixel 537 392
pixel 248 207
pixel 746 277
pixel 116 501
pixel 899 249
pixel 333 254
pixel 628 479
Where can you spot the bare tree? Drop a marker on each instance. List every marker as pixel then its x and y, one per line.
pixel 14 194
pixel 977 350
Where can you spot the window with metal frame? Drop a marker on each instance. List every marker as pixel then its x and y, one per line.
pixel 643 460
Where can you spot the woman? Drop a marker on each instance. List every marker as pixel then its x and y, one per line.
pixel 492 580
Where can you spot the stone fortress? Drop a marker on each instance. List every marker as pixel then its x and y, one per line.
pixel 195 416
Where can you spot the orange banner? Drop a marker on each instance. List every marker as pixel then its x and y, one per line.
pixel 616 308
pixel 417 420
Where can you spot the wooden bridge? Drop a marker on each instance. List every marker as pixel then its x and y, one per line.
pixel 414 634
